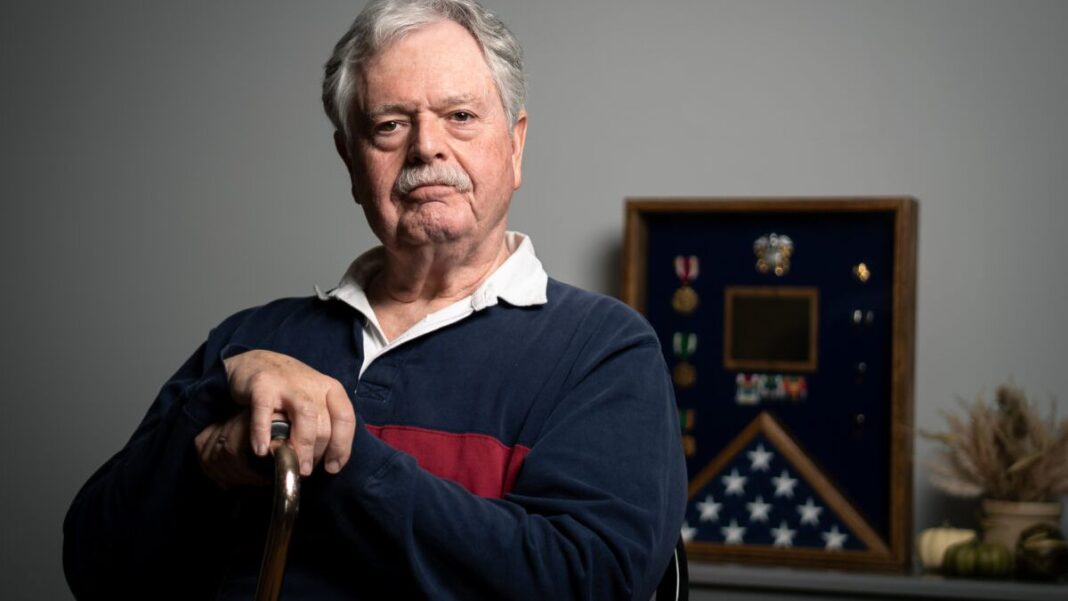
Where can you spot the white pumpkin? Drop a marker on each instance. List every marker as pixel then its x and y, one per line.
pixel 933 543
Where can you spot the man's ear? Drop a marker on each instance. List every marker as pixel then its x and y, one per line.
pixel 519 139
pixel 341 144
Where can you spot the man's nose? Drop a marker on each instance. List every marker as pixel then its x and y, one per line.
pixel 427 141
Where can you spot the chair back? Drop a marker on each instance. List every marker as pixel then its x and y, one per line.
pixel 675 585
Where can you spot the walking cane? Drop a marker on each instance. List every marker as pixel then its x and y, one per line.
pixel 284 513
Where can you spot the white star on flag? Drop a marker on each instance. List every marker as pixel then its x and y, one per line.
pixel 810 512
pixel 784 536
pixel 784 485
pixel 834 538
pixel 760 459
pixel 687 532
pixel 709 509
pixel 733 533
pixel 758 510
pixel 735 483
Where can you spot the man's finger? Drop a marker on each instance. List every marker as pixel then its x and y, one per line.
pixel 304 417
pixel 209 458
pixel 201 441
pixel 322 436
pixel 342 428
pixel 261 409
pixel 206 446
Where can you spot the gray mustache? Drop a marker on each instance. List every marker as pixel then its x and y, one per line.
pixel 411 178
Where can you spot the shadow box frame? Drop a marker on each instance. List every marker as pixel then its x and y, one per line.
pixel 895 555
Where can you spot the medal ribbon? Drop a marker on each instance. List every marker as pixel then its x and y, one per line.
pixel 686 419
pixel 684 344
pixel 686 268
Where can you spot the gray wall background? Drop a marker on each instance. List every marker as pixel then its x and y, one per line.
pixel 167 163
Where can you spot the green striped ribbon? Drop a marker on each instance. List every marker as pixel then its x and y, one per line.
pixel 685 345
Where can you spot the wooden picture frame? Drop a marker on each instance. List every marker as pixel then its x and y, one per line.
pixel 733 360
pixel 879 523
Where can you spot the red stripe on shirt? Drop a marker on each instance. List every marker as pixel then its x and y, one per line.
pixel 478 462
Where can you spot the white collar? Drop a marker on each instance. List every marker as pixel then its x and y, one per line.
pixel 520 281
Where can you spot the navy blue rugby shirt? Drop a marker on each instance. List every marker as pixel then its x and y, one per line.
pixel 521 453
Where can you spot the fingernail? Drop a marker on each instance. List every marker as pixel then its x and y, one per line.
pixel 305 468
pixel 261 449
pixel 333 466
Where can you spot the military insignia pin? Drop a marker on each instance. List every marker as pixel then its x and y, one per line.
pixel 861 272
pixel 684 301
pixel 773 388
pixel 747 390
pixel 684 375
pixel 773 253
pixel 796 387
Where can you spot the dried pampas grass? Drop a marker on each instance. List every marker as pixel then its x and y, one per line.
pixel 1005 451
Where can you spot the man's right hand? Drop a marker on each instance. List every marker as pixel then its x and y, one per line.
pixel 274 385
pixel 224 453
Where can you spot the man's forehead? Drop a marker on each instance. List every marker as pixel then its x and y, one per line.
pixel 443 45
pixel 438 63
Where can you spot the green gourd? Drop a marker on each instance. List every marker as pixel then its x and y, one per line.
pixel 974 559
pixel 1041 553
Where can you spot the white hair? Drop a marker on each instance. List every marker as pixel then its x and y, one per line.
pixel 383 22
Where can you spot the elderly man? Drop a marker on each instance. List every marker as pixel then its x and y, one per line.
pixel 466 427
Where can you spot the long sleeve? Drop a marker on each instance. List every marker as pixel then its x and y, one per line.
pixel 148 510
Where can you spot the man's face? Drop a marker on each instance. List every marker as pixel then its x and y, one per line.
pixel 427 105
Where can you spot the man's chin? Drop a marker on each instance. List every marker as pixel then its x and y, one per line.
pixel 431 229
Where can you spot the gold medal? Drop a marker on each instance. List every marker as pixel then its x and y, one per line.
pixel 684 301
pixel 689 445
pixel 684 375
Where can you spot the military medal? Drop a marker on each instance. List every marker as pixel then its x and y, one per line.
pixel 684 301
pixel 796 387
pixel 773 388
pixel 773 253
pixel 684 375
pixel 747 391
pixel 689 445
pixel 686 423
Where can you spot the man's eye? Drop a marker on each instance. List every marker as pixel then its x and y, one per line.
pixel 387 127
pixel 462 116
